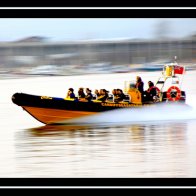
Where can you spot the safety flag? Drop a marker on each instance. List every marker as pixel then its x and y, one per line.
pixel 178 69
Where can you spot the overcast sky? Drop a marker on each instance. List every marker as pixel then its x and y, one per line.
pixel 75 29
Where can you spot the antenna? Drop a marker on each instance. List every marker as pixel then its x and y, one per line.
pixel 175 58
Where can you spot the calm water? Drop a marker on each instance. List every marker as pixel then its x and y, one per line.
pixel 126 143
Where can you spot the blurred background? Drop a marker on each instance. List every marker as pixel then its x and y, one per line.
pixel 36 47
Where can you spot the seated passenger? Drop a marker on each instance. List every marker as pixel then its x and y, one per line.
pixel 89 95
pixel 97 93
pixel 119 96
pixel 103 95
pixel 110 97
pixel 114 93
pixel 81 93
pixel 151 91
pixel 70 93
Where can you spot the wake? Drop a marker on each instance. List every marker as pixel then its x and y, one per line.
pixel 162 112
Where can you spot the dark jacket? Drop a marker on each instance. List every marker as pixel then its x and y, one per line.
pixel 72 95
pixel 151 92
pixel 119 97
pixel 140 86
pixel 89 97
pixel 81 94
pixel 102 97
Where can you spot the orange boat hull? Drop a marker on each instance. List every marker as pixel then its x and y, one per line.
pixel 50 116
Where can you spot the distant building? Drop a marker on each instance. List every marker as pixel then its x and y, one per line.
pixel 32 39
pixel 34 51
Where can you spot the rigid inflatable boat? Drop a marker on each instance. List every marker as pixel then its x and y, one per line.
pixel 52 110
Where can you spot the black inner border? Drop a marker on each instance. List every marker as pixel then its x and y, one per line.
pixel 97 13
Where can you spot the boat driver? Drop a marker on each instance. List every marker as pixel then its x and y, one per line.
pixel 139 84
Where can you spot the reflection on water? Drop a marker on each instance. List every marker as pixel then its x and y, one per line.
pixel 136 150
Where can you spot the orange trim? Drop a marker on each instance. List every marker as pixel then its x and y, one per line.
pixel 49 116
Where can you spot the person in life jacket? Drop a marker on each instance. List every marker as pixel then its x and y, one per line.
pixel 114 93
pixel 97 93
pixel 119 96
pixel 151 91
pixel 70 93
pixel 81 93
pixel 139 84
pixel 103 95
pixel 89 95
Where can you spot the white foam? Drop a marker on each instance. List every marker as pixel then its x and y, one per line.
pixel 153 113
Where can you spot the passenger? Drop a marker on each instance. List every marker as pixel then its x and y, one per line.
pixel 122 95
pixel 89 95
pixel 70 93
pixel 103 95
pixel 139 84
pixel 151 92
pixel 97 93
pixel 114 92
pixel 81 93
pixel 119 96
